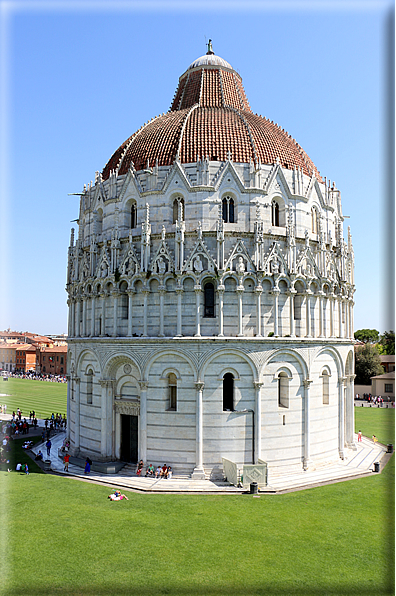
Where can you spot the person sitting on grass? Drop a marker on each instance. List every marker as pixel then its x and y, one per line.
pixel 117 496
pixel 150 470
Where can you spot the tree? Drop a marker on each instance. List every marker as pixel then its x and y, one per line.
pixel 367 364
pixel 367 335
pixel 387 343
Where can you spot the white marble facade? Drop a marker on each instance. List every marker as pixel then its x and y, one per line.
pixel 179 317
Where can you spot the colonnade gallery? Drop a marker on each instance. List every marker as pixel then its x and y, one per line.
pixel 210 294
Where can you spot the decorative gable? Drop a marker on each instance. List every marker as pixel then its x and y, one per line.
pixel 239 259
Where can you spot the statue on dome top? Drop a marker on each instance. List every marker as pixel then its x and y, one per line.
pixel 210 47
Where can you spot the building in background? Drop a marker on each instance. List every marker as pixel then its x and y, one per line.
pixel 210 294
pixel 24 352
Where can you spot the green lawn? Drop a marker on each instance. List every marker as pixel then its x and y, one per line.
pixel 62 536
pixel 376 421
pixel 41 396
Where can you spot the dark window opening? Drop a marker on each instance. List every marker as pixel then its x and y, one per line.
pixel 133 215
pixel 172 385
pixel 275 214
pixel 228 210
pixel 228 392
pixel 209 300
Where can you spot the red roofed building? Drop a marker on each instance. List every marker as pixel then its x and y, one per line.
pixel 51 360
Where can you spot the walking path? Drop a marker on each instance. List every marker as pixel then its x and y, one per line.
pixel 356 463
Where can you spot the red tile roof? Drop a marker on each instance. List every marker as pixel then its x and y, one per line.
pixel 210 116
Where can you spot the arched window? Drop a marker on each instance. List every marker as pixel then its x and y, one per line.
pixel 172 392
pixel 325 387
pixel 209 297
pixel 275 213
pixel 228 210
pixel 99 221
pixel 228 392
pixel 133 215
pixel 124 301
pixel 89 386
pixel 314 218
pixel 178 209
pixel 283 390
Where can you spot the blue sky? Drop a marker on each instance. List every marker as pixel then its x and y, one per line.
pixel 78 78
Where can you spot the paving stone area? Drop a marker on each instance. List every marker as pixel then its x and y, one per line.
pixel 357 463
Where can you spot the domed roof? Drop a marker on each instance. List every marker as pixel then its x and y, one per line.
pixel 210 117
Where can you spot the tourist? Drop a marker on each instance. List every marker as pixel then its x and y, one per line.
pixel 150 470
pixel 18 467
pixel 48 445
pixel 168 473
pixel 163 471
pixel 87 468
pixel 66 462
pixel 158 472
pixel 39 456
pixel 375 439
pixel 26 469
pixel 139 468
pixel 359 435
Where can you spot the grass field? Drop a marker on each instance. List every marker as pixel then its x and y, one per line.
pixel 61 536
pixel 41 396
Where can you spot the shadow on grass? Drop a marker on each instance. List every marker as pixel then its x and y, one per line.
pixel 17 455
pixel 269 590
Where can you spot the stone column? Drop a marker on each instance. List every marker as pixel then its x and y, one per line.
pixel 352 320
pixel 68 409
pixel 115 312
pixel 199 473
pixel 291 295
pixel 106 416
pixel 78 331
pixel 349 413
pixel 76 390
pixel 179 292
pixel 325 300
pixel 320 297
pixel 130 294
pixel 145 311
pixel 240 289
pixel 308 314
pixel 161 290
pixel 103 329
pixel 143 420
pixel 341 416
pixel 258 291
pixel 72 318
pixel 307 443
pixel 220 292
pixel 257 438
pixel 198 291
pixel 331 316
pixel 340 316
pixel 93 305
pixel 70 313
pixel 84 316
pixel 275 293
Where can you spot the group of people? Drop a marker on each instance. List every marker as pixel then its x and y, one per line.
pixel 55 422
pixel 161 472
pixel 373 399
pixel 39 377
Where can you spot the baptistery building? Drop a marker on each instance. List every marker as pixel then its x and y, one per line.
pixel 210 294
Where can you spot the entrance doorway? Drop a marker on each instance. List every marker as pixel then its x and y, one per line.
pixel 129 438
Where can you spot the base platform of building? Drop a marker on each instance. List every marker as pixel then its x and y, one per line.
pixel 356 464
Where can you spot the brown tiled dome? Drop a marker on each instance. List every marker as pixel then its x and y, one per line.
pixel 209 117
